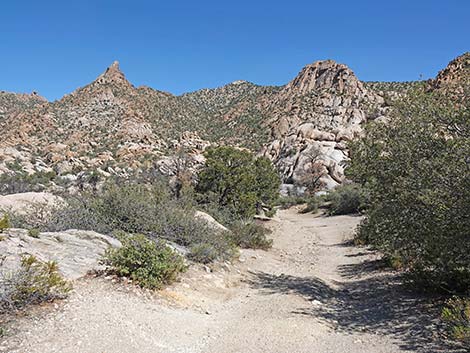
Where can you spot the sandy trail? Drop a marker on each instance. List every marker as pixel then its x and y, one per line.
pixel 313 292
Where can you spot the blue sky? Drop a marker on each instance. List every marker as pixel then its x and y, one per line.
pixel 54 47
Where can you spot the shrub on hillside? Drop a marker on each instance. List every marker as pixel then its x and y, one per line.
pixel 33 232
pixel 33 283
pixel 149 263
pixel 203 253
pixel 237 180
pixel 248 234
pixel 4 223
pixel 416 171
pixel 21 181
pixel 133 208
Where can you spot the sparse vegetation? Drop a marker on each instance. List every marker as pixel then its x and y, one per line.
pixel 248 234
pixel 203 253
pixel 34 282
pixel 133 207
pixel 150 263
pixel 20 181
pixel 310 177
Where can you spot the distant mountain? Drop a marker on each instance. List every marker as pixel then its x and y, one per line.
pixel 113 126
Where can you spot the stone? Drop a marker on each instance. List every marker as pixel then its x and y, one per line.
pixel 211 222
pixel 23 201
pixel 76 252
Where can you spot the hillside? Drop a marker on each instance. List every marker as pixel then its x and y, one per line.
pixel 112 125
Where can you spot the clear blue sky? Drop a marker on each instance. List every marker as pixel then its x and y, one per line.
pixel 54 47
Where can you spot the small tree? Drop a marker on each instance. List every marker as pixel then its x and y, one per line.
pixel 311 176
pixel 238 180
pixel 181 165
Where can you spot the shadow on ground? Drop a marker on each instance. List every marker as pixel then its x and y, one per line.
pixel 368 300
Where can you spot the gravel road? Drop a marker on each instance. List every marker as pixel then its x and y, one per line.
pixel 313 292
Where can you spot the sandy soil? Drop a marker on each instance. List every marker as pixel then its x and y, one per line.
pixel 313 292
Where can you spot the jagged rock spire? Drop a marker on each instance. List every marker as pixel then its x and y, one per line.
pixel 113 74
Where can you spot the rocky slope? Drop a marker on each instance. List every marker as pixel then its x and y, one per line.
pixel 314 115
pixel 113 127
pixel 454 80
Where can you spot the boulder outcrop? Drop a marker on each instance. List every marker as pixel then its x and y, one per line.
pixel 317 112
pixel 76 251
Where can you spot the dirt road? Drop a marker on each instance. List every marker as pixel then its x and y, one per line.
pixel 313 292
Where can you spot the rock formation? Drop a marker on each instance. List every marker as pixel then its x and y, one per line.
pixel 111 126
pixel 76 251
pixel 315 114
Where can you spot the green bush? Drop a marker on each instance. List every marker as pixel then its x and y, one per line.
pixel 415 169
pixel 312 205
pixel 248 234
pixel 345 199
pixel 21 181
pixel 4 223
pixel 237 180
pixel 286 202
pixel 33 232
pixel 149 263
pixel 128 207
pixel 133 208
pixel 456 315
pixel 203 253
pixel 33 283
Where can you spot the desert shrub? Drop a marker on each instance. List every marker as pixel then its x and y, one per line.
pixel 203 253
pixel 149 263
pixel 33 232
pixel 133 208
pixel 4 223
pixel 286 202
pixel 39 216
pixel 180 226
pixel 416 171
pixel 456 316
pixel 237 180
pixel 345 199
pixel 248 234
pixel 21 181
pixel 312 205
pixel 127 207
pixel 34 282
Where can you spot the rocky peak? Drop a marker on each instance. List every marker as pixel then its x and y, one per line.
pixel 113 74
pixel 457 72
pixel 239 82
pixel 324 75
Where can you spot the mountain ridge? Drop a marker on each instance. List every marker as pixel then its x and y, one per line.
pixel 110 123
